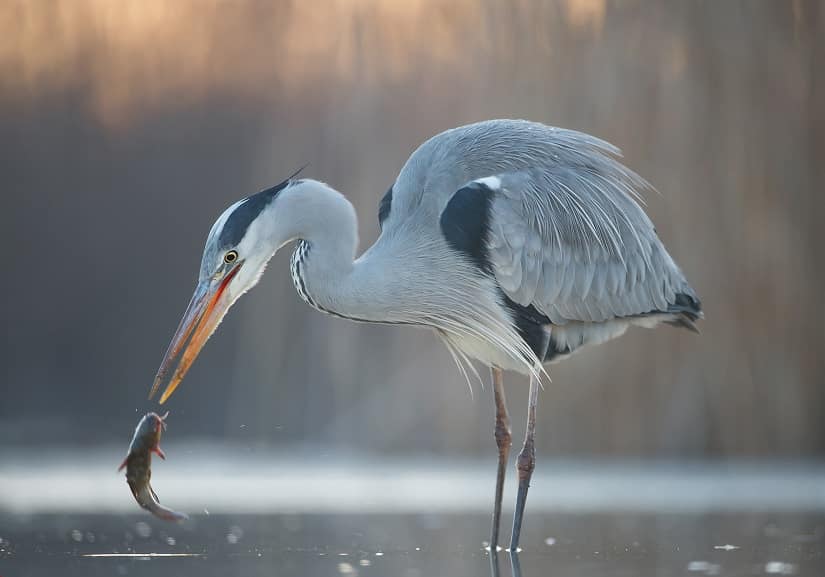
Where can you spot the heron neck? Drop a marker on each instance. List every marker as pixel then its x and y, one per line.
pixel 325 226
pixel 330 280
pixel 324 269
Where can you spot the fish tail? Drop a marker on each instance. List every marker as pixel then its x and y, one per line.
pixel 147 499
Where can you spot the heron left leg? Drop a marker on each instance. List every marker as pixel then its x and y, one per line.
pixel 526 463
pixel 503 442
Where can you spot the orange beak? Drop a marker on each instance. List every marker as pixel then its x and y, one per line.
pixel 205 311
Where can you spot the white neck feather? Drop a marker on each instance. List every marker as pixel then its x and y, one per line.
pixel 395 281
pixel 328 276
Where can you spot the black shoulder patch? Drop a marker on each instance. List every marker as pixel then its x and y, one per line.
pixel 235 226
pixel 530 323
pixel 384 207
pixel 465 223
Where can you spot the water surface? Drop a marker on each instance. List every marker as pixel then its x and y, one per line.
pixel 612 544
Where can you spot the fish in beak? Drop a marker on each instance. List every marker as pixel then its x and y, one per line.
pixel 208 306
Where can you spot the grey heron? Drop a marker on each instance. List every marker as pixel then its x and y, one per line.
pixel 518 243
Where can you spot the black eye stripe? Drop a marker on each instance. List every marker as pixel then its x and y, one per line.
pixel 238 222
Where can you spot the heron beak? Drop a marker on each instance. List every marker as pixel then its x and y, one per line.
pixel 205 311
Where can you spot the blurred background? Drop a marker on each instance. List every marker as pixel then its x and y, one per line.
pixel 301 444
pixel 128 127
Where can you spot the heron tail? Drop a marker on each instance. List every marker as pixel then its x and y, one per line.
pixel 687 309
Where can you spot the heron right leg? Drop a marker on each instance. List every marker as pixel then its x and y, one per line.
pixel 525 464
pixel 503 441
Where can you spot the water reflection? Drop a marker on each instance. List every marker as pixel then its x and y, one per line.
pixel 515 564
pixel 138 555
pixel 413 546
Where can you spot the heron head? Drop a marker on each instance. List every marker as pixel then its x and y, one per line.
pixel 238 247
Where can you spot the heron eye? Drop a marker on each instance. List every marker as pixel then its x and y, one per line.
pixel 230 257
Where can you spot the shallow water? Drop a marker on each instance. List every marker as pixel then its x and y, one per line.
pixel 411 545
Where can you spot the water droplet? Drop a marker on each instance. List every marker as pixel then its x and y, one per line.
pixel 704 567
pixel 379 554
pixel 234 535
pixel 726 547
pixel 170 541
pixel 345 569
pixel 549 541
pixel 780 568
pixel 90 537
pixel 143 529
pixel 77 535
pixel 365 562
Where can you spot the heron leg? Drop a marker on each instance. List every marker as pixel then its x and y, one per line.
pixel 525 464
pixel 515 564
pixel 495 570
pixel 503 442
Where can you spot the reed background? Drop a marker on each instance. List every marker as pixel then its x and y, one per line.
pixel 126 128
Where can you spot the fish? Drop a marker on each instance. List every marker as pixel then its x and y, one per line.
pixel 138 465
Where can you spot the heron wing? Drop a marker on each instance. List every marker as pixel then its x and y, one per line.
pixel 449 160
pixel 572 241
pixel 565 233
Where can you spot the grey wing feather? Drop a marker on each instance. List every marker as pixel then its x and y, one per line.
pixel 566 234
pixel 600 257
